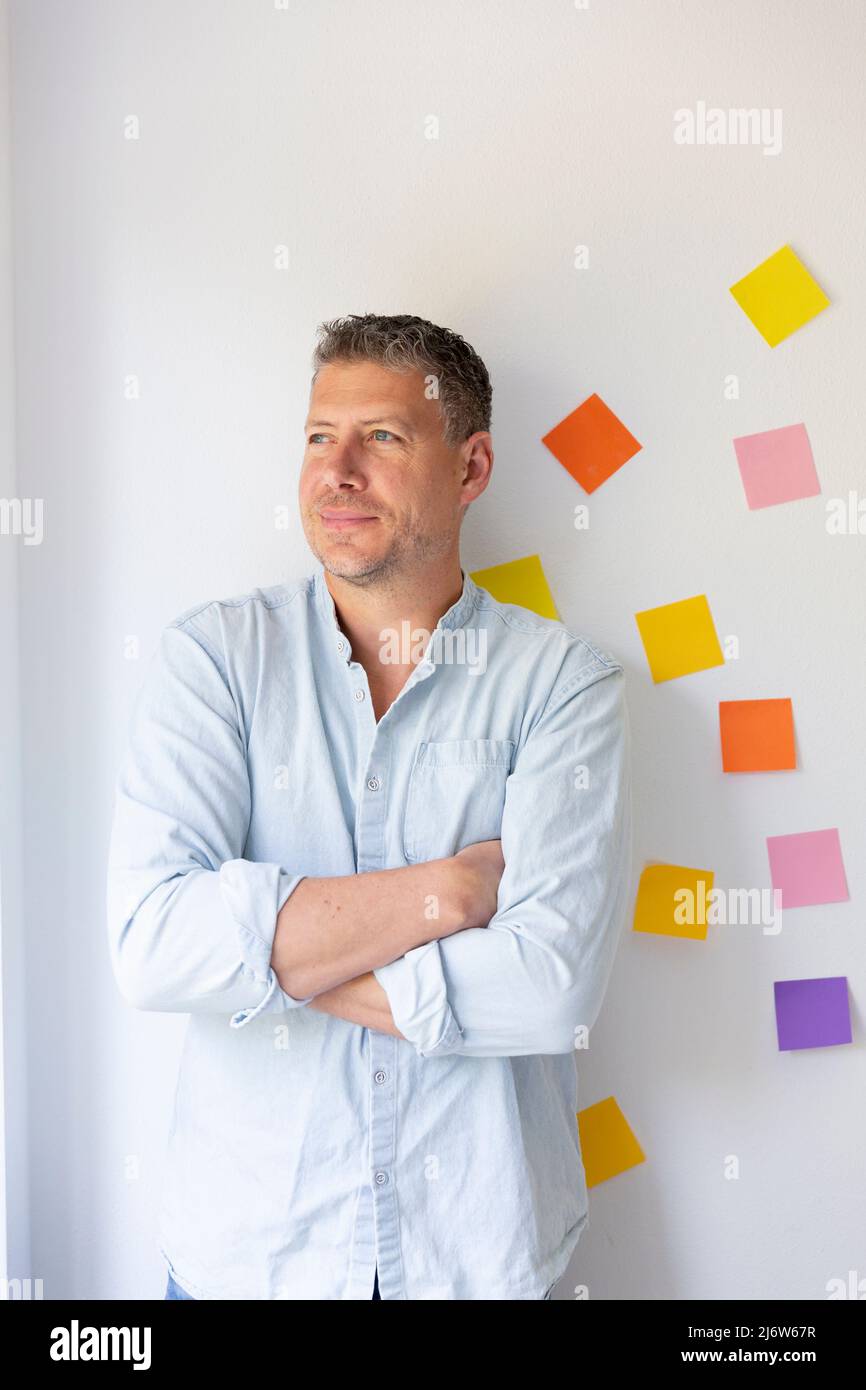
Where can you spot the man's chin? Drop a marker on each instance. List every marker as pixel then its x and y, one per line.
pixel 347 562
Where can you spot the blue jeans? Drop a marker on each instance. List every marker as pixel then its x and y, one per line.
pixel 174 1290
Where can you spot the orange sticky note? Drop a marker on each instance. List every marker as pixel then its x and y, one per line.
pixel 607 1143
pixel 757 735
pixel 591 443
pixel 519 581
pixel 679 638
pixel 672 900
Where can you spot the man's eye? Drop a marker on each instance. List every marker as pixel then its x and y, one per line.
pixel 315 438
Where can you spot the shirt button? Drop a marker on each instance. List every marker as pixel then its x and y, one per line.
pixel 380 1076
pixel 341 646
pixel 381 1177
pixel 373 783
pixel 359 694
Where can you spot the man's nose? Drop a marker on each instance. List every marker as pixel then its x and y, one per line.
pixel 344 467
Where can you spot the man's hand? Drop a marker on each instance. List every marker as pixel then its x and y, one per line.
pixel 362 1001
pixel 482 865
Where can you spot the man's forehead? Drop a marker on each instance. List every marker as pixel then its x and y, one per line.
pixel 373 415
pixel 407 402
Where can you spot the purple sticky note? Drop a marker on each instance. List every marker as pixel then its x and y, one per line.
pixel 812 1013
pixel 776 466
pixel 808 868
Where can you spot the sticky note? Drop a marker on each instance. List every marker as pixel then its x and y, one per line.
pixel 776 466
pixel 591 443
pixel 812 1013
pixel 807 868
pixel 519 581
pixel 757 735
pixel 607 1144
pixel 679 638
pixel 672 900
pixel 779 296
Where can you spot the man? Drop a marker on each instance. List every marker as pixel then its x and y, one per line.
pixel 373 834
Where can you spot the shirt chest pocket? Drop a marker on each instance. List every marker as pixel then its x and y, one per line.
pixel 456 796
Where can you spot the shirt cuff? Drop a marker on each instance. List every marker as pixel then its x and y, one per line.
pixel 254 894
pixel 418 996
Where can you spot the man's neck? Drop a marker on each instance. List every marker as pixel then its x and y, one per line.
pixel 365 612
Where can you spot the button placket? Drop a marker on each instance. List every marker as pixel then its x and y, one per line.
pixel 370 841
pixel 382 1157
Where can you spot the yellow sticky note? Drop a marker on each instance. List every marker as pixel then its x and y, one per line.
pixel 672 900
pixel 521 582
pixel 607 1144
pixel 679 638
pixel 779 296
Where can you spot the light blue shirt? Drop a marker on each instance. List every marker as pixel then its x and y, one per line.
pixel 304 1150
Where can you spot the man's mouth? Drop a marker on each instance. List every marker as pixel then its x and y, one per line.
pixel 339 520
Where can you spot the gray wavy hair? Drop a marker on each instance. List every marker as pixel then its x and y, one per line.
pixel 403 343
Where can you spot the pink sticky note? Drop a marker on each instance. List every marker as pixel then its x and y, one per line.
pixel 808 868
pixel 776 466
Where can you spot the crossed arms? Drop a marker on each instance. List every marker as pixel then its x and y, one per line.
pixel 332 932
pixel 195 927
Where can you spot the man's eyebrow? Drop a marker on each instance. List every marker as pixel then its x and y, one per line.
pixel 377 420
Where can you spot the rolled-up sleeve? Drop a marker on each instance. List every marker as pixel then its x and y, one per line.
pixel 528 981
pixel 191 922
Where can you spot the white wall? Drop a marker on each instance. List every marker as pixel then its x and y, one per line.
pixel 15 1261
pixel 306 127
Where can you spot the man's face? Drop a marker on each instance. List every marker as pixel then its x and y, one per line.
pixel 379 491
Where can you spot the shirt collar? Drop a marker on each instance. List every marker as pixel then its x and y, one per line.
pixel 455 616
